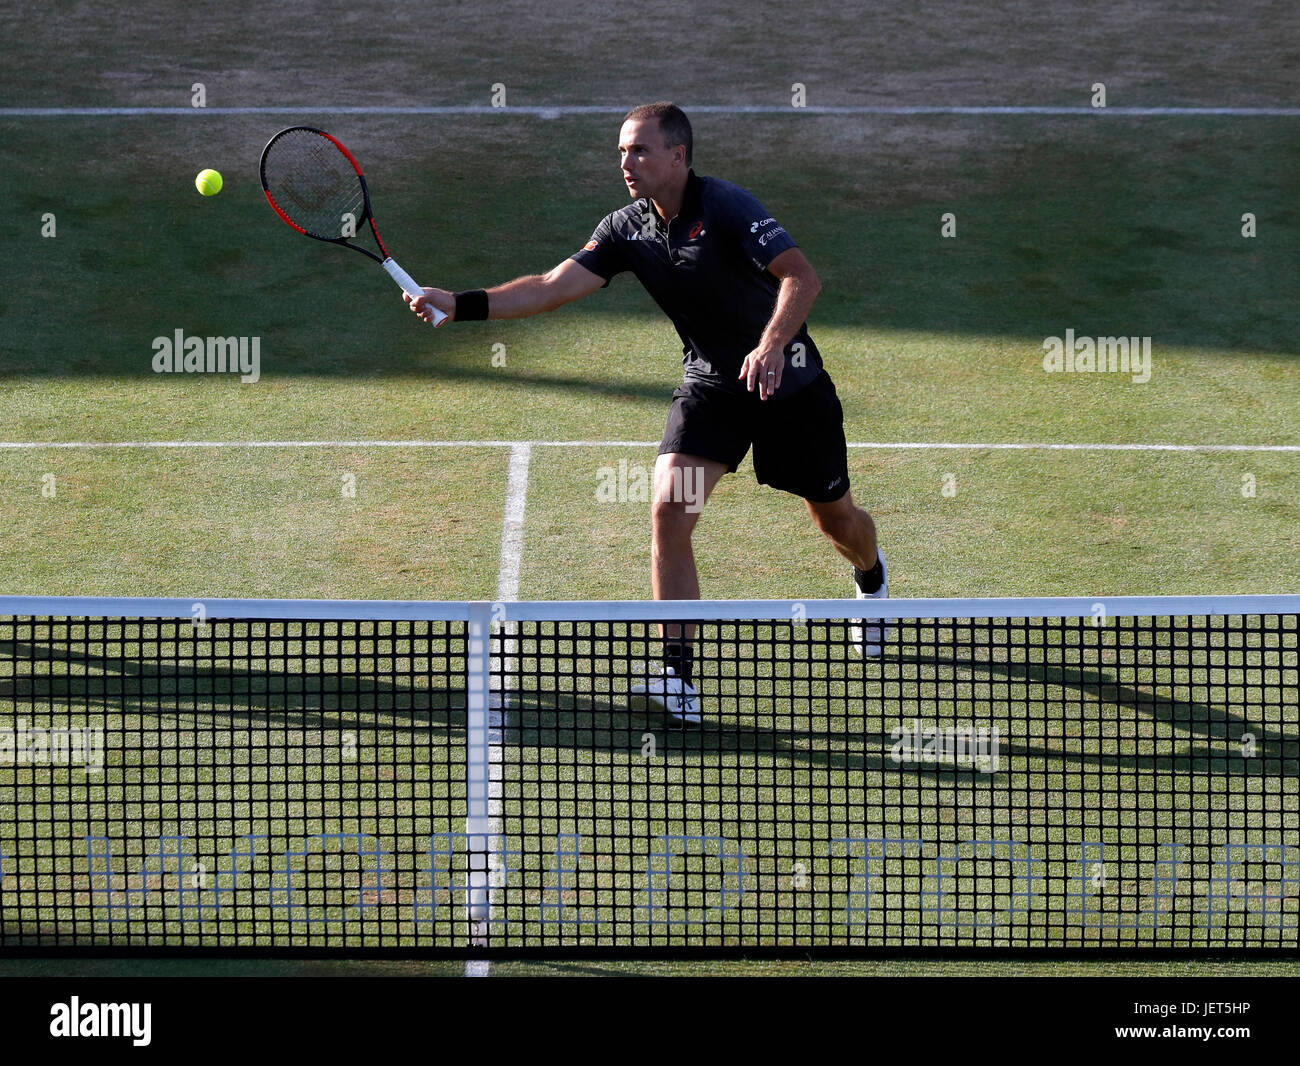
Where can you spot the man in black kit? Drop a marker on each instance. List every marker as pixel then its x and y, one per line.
pixel 738 289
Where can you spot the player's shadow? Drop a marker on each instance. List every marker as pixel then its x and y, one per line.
pixel 1095 684
pixel 658 391
pixel 569 721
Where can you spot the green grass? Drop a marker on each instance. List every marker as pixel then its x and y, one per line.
pixel 1102 225
pixel 342 523
pixel 1168 52
pixel 1046 524
pixel 1081 967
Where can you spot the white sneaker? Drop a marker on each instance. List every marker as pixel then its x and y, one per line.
pixel 670 693
pixel 869 634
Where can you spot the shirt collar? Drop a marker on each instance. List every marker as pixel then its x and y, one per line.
pixel 692 198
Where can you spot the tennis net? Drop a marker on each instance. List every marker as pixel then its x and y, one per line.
pixel 1054 775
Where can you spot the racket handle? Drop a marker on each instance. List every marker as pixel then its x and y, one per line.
pixel 409 286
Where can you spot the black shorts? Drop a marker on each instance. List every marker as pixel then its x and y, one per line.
pixel 798 440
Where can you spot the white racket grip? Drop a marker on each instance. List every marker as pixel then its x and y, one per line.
pixel 409 286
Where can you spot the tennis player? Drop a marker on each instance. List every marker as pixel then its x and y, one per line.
pixel 738 290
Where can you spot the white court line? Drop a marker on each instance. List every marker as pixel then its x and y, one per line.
pixel 565 110
pixel 512 551
pixel 921 445
pixel 512 527
pixel 513 444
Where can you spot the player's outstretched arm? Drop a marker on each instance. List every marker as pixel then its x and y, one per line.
pixel 522 297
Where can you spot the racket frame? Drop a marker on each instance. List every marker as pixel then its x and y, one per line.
pixel 403 279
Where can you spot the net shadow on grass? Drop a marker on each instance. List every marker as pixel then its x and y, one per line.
pixel 304 699
pixel 314 700
pixel 575 721
pixel 574 726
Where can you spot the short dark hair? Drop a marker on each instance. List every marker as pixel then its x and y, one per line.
pixel 673 123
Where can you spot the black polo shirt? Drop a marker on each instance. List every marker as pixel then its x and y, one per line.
pixel 707 270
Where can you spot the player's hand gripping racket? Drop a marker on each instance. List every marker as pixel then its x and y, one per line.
pixel 316 186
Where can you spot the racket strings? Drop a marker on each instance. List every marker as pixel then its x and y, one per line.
pixel 314 184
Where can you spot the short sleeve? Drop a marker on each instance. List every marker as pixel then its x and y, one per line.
pixel 760 235
pixel 601 255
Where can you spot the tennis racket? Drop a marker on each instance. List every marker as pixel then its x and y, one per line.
pixel 316 186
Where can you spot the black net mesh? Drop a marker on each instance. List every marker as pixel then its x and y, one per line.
pixel 984 784
pixel 236 783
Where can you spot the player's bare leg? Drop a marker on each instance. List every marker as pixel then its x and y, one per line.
pixel 848 527
pixel 682 485
pixel 853 533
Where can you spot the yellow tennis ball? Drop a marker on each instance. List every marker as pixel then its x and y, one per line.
pixel 208 182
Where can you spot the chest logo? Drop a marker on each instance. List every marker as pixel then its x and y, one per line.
pixel 697 230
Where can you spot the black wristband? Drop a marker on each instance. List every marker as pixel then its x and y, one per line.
pixel 471 305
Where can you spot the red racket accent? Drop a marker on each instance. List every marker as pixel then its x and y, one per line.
pixel 350 157
pixel 276 208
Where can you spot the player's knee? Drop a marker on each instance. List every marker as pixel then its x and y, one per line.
pixel 671 519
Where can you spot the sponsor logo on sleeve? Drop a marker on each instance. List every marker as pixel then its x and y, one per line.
pixel 590 246
pixel 756 226
pixel 770 235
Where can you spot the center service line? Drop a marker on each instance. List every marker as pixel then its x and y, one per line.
pixel 512 550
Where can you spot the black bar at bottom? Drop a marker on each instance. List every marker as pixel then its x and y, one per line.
pixel 1169 1016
